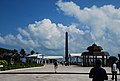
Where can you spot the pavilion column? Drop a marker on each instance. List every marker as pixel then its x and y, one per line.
pixel 95 58
pixel 93 61
pixel 106 61
pixel 103 61
pixel 83 60
pixel 88 61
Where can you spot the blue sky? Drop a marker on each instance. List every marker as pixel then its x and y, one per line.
pixel 40 25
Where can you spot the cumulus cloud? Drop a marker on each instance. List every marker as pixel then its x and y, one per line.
pixel 45 37
pixel 96 18
pixel 103 22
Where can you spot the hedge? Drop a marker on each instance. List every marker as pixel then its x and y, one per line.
pixel 21 65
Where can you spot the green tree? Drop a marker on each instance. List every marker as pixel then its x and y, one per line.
pixel 23 53
pixel 32 52
pixel 16 56
pixel 3 52
pixel 3 62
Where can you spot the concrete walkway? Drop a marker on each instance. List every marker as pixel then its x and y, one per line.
pixel 51 77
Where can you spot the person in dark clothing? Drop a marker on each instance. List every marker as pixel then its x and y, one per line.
pixel 98 73
pixel 118 65
pixel 55 66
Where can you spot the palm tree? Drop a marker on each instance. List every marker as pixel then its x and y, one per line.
pixel 32 52
pixel 16 56
pixel 23 53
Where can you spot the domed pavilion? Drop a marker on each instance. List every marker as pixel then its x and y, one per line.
pixel 94 52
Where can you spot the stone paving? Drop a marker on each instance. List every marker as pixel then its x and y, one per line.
pixel 51 77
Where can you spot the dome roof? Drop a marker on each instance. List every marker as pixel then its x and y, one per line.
pixel 94 47
pixel 94 44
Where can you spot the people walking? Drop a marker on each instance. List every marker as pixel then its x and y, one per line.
pixel 55 66
pixel 114 71
pixel 98 73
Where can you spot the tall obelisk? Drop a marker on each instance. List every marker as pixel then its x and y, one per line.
pixel 66 47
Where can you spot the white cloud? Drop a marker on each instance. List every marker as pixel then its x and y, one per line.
pixel 23 32
pixel 45 36
pixel 2 40
pixel 97 18
pixel 103 22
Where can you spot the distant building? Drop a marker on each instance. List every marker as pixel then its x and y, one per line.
pixel 94 52
pixel 40 58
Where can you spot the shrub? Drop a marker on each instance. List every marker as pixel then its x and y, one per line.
pixel 3 62
pixel 20 65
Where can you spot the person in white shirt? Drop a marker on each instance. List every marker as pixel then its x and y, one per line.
pixel 114 71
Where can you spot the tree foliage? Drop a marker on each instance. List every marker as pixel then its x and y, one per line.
pixel 32 52
pixel 23 53
pixel 3 62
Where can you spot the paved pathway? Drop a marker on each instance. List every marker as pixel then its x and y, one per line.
pixel 51 77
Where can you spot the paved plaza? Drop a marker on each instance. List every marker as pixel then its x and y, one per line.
pixel 51 77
